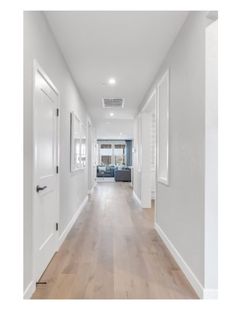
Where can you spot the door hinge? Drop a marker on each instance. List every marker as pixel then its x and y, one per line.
pixel 57 226
pixel 57 169
pixel 57 112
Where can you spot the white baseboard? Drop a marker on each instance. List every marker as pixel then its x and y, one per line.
pixel 153 195
pixel 29 290
pixel 105 179
pixel 92 189
pixel 137 198
pixel 210 294
pixel 72 221
pixel 193 280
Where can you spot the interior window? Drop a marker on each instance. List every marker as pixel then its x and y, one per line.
pixel 119 152
pixel 106 154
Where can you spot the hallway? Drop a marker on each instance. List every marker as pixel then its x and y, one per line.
pixel 120 109
pixel 113 252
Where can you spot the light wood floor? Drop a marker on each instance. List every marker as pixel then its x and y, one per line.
pixel 113 252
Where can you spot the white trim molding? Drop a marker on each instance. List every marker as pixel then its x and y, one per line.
pixel 72 221
pixel 153 195
pixel 92 189
pixel 210 294
pixel 152 93
pixel 193 280
pixel 105 179
pixel 29 290
pixel 163 150
pixel 137 198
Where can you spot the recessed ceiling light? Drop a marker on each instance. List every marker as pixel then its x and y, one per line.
pixel 111 114
pixel 111 81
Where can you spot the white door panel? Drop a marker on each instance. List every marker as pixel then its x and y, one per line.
pixel 46 153
pixel 45 171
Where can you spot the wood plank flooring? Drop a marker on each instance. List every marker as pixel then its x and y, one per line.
pixel 113 252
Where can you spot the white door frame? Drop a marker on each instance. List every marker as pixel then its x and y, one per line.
pixel 38 69
pixel 145 186
pixel 89 155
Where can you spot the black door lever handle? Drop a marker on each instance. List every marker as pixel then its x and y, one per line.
pixel 40 188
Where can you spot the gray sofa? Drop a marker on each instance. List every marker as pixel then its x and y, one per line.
pixel 105 171
pixel 123 175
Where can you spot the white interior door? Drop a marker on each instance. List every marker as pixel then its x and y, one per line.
pixel 46 101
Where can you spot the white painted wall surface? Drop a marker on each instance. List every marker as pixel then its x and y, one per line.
pixel 211 162
pixel 180 209
pixel 39 44
pixel 115 129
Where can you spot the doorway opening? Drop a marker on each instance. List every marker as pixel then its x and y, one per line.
pixel 114 160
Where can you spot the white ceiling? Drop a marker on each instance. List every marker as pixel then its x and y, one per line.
pixel 128 46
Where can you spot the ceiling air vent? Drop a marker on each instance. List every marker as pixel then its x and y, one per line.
pixel 113 102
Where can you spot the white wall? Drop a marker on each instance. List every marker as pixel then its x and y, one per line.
pixel 112 129
pixel 39 44
pixel 180 206
pixel 180 211
pixel 211 162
